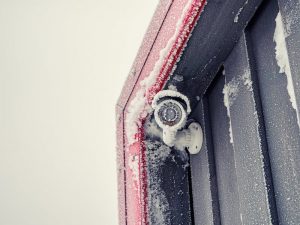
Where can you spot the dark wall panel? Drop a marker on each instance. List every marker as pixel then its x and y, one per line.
pixel 224 154
pixel 251 153
pixel 282 129
pixel 203 174
pixel 247 140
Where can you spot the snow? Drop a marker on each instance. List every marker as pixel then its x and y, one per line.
pixel 231 90
pixel 178 78
pixel 171 93
pixel 132 120
pixel 283 61
pixel 133 164
pixel 172 87
pixel 153 130
pixel 138 107
pixel 157 154
pixel 236 18
pixel 291 18
pixel 246 79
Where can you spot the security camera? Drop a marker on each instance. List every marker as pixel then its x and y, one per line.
pixel 171 110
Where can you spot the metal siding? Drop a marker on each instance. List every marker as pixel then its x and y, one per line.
pixel 213 38
pixel 224 154
pixel 168 185
pixel 282 130
pixel 247 141
pixel 256 179
pixel 204 181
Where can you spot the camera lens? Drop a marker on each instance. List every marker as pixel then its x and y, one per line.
pixel 170 113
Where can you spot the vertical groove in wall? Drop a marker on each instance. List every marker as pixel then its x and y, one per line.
pixel 279 117
pixel 191 193
pixel 212 166
pixel 262 130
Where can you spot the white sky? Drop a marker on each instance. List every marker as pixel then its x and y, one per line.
pixel 62 66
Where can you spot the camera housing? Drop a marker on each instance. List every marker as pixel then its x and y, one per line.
pixel 171 110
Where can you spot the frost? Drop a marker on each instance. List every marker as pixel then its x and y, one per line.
pixel 283 61
pixel 246 78
pixel 133 115
pixel 133 164
pixel 231 90
pixel 138 107
pixel 172 87
pixel 172 93
pixel 157 154
pixel 178 78
pixel 153 130
pixel 291 19
pixel 236 18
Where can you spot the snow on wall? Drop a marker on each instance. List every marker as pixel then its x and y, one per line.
pixel 160 211
pixel 171 93
pixel 246 79
pixel 133 164
pixel 291 18
pixel 236 18
pixel 178 77
pixel 153 131
pixel 283 61
pixel 230 92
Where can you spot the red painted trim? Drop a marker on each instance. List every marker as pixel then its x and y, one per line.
pixel 175 52
pixel 161 80
pixel 139 210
